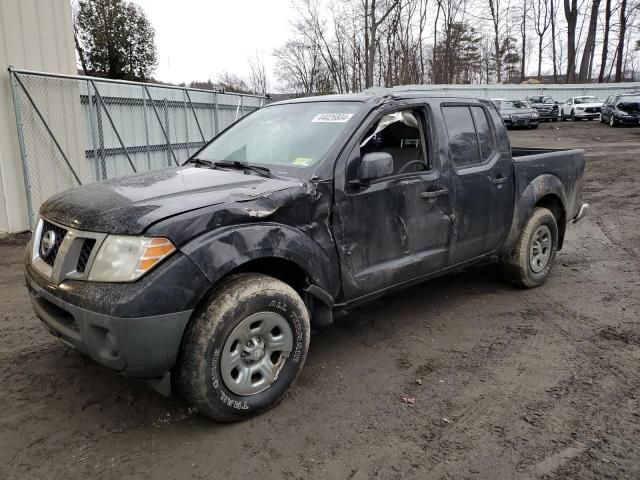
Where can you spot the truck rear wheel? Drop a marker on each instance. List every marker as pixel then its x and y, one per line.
pixel 531 260
pixel 244 348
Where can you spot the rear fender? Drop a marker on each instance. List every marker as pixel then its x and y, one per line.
pixel 546 185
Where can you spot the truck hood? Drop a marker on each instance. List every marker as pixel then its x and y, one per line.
pixel 129 205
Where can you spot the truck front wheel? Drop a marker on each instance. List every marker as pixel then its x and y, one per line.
pixel 244 349
pixel 531 260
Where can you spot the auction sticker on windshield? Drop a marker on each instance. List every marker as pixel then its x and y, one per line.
pixel 332 118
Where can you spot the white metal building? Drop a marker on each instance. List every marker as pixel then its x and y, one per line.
pixel 34 34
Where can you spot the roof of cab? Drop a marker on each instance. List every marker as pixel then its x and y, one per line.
pixel 376 95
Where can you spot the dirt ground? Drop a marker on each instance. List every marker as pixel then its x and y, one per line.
pixel 507 383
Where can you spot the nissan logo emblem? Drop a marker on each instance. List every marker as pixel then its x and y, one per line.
pixel 47 243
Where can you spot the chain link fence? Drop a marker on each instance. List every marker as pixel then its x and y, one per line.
pixel 75 130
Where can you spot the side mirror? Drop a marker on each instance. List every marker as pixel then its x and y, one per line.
pixel 375 165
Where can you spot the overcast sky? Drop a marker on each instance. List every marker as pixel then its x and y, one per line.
pixel 198 39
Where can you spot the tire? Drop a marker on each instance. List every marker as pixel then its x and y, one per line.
pixel 573 116
pixel 243 305
pixel 612 121
pixel 517 267
pixel 562 117
pixel 601 119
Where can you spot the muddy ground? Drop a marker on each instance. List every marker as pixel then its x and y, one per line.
pixel 507 383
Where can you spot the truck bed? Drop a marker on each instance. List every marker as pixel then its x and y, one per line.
pixel 566 165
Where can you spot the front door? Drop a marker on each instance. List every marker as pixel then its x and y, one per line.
pixel 397 228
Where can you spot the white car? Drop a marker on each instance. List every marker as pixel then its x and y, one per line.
pixel 579 108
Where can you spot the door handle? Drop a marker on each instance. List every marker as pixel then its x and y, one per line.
pixel 499 180
pixel 434 193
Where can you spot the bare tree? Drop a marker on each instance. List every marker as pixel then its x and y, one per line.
pixel 372 22
pixel 541 14
pixel 621 40
pixel 554 55
pixel 571 15
pixel 605 40
pixel 258 80
pixel 590 44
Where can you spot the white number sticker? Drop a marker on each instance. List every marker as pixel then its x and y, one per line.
pixel 332 118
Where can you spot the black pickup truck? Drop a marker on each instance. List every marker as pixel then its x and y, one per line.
pixel 207 278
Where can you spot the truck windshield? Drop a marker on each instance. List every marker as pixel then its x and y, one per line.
pixel 288 138
pixel 510 104
pixel 540 99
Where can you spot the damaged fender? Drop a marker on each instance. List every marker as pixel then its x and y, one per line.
pixel 219 252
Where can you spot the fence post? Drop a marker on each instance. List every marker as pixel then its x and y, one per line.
pixel 186 120
pixel 216 114
pixel 103 161
pixel 23 152
pixel 146 128
pixel 93 127
pixel 166 126
pixel 164 132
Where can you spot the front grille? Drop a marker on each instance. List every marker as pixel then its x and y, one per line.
pixel 85 253
pixel 593 109
pixel 49 257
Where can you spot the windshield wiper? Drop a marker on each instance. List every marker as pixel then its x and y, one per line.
pixel 264 171
pixel 199 161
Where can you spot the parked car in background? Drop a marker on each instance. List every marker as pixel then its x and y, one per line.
pixel 546 107
pixel 621 109
pixel 517 113
pixel 580 108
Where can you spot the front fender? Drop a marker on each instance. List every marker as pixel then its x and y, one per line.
pixel 219 252
pixel 541 186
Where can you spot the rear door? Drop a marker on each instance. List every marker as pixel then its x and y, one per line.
pixel 482 181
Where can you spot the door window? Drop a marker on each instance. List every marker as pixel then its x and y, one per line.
pixel 485 134
pixel 400 134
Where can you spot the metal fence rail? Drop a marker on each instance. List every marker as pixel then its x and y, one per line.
pixel 559 92
pixel 74 130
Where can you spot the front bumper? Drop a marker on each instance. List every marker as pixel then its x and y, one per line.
pixel 547 114
pixel 582 114
pixel 627 119
pixel 132 328
pixel 520 122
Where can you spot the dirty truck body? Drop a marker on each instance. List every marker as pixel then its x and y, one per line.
pixel 209 275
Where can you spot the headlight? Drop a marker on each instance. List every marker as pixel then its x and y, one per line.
pixel 620 113
pixel 126 258
pixel 579 108
pixel 534 115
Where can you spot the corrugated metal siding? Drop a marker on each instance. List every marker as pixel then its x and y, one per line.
pixel 35 34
